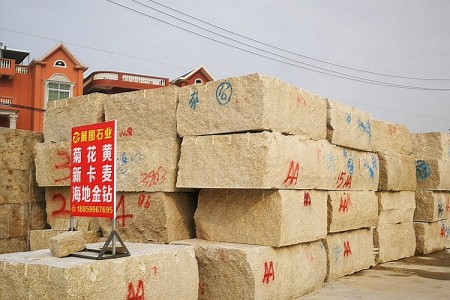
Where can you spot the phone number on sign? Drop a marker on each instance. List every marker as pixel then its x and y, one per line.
pixel 95 209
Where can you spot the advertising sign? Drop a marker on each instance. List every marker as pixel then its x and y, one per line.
pixel 93 166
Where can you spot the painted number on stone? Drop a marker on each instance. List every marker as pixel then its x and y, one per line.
pixel 144 200
pixel 138 293
pixel 123 216
pixel 345 203
pixel 423 170
pixel 193 101
pixel 269 272
pixel 154 177
pixel 127 132
pixel 64 165
pixel 347 249
pixel 344 180
pixel 307 199
pixel 224 92
pixel 292 175
pixel 62 211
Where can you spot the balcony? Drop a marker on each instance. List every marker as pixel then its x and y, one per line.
pixel 7 68
pixel 117 82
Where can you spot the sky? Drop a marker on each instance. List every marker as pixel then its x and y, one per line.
pixel 389 58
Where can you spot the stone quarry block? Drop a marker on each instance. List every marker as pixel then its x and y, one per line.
pixel 144 114
pixel 10 245
pixel 349 210
pixel 430 237
pixel 397 172
pixel 394 241
pixel 151 272
pixel 432 206
pixel 17 219
pixel 157 217
pixel 431 145
pixel 391 137
pixel 17 148
pixel 15 186
pixel 147 165
pixel 348 126
pixel 447 233
pixel 396 207
pixel 261 217
pixel 273 161
pixel 433 174
pixel 62 115
pixel 239 271
pixel 53 164
pixel 349 252
pixel 67 243
pixel 39 239
pixel 250 103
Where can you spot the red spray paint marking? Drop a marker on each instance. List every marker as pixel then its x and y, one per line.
pixel 301 101
pixel 144 200
pixel 123 216
pixel 345 203
pixel 292 176
pixel 307 199
pixel 63 165
pixel 442 231
pixel 137 294
pixel 269 272
pixel 62 211
pixel 447 205
pixel 201 288
pixel 344 181
pixel 392 130
pixel 154 177
pixel 127 132
pixel 347 250
pixel 154 270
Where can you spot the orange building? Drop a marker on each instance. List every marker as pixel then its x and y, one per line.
pixel 25 89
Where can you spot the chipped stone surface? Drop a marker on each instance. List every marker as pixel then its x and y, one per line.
pixel 432 174
pixel 348 126
pixel 391 137
pixel 349 210
pixel 395 241
pixel 144 114
pixel 349 252
pixel 62 115
pixel 10 245
pixel 396 207
pixel 432 206
pixel 156 217
pixel 397 172
pixel 261 217
pixel 430 237
pixel 39 239
pixel 271 160
pixel 17 148
pixel 17 219
pixel 250 103
pixel 53 164
pixel 66 243
pixel 239 271
pixel 151 272
pixel 431 145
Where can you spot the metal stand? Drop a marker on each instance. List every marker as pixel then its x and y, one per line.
pixel 105 252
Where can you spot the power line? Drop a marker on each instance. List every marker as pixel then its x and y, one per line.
pixel 326 72
pixel 288 51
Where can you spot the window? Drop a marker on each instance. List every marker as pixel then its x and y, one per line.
pixel 57 90
pixel 198 80
pixel 60 63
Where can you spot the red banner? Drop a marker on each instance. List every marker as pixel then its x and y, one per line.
pixel 93 166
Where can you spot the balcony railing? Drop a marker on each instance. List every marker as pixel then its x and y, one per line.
pixel 124 77
pixel 5 63
pixel 106 76
pixel 22 69
pixel 6 101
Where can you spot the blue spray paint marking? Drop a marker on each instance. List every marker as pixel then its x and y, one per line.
pixel 348 118
pixel 350 166
pixel 224 92
pixel 123 160
pixel 371 166
pixel 194 100
pixel 440 208
pixel 344 152
pixel 337 251
pixel 365 127
pixel 331 163
pixel 423 170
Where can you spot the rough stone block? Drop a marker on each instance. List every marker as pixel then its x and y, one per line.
pixel 349 252
pixel 396 207
pixel 39 239
pixel 433 174
pixel 62 115
pixel 351 210
pixel 10 245
pixel 17 219
pixel 17 148
pixel 430 237
pixel 144 114
pixel 151 272
pixel 261 217
pixel 250 103
pixel 273 161
pixel 15 186
pixel 431 145
pixel 67 243
pixel 348 126
pixel 397 172
pixel 147 165
pixel 432 206
pixel 391 137
pixel 447 233
pixel 53 164
pixel 239 271
pixel 394 241
pixel 156 217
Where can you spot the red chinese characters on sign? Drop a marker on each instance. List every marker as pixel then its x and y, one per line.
pixel 93 165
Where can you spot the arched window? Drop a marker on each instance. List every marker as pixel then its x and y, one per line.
pixel 58 87
pixel 60 63
pixel 198 80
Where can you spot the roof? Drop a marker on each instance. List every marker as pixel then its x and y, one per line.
pixel 17 55
pixel 66 51
pixel 189 74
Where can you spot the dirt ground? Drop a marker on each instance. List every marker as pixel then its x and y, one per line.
pixel 419 277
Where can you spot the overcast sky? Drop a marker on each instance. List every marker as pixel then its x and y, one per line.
pixel 408 38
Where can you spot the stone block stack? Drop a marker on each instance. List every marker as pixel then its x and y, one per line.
pixel 432 215
pixel 21 201
pixel 394 235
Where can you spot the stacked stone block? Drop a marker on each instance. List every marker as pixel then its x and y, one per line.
pixel 432 154
pixel 21 201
